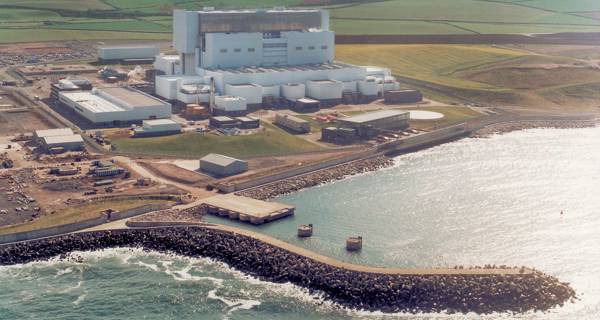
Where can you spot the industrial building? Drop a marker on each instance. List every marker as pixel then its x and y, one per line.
pixel 58 140
pixel 116 105
pixel 373 123
pixel 222 122
pixel 133 54
pixel 292 123
pixel 69 85
pixel 261 55
pixel 248 122
pixel 222 166
pixel 403 96
pixel 158 127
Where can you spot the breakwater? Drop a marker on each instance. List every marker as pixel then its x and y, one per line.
pixel 459 291
pixel 312 179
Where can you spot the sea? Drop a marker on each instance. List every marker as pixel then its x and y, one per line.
pixel 527 198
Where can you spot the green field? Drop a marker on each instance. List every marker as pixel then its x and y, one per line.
pixel 272 141
pixel 402 17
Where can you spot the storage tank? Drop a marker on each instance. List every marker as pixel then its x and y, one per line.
pixel 324 89
pixel 350 86
pixel 274 91
pixel 368 87
pixel 293 91
pixel 252 93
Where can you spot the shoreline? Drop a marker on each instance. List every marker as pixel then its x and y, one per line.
pixel 479 290
pixel 518 125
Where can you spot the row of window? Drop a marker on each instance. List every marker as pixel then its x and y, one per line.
pixel 273 45
pixel 237 50
pixel 311 48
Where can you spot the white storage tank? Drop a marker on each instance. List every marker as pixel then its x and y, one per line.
pixel 252 93
pixel 271 91
pixel 293 91
pixel 324 89
pixel 368 87
pixel 350 86
pixel 230 103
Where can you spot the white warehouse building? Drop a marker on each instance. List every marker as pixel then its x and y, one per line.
pixel 258 53
pixel 119 104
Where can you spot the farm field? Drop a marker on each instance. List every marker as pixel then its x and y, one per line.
pixel 272 141
pixel 402 17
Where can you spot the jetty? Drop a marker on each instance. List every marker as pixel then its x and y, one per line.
pixel 246 209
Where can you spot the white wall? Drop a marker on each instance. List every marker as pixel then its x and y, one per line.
pixel 324 90
pixel 252 94
pixel 185 31
pixel 307 47
pixel 228 104
pixel 238 47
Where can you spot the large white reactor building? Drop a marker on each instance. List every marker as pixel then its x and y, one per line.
pixel 254 54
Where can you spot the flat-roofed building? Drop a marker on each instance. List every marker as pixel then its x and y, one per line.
pixel 222 166
pixel 370 124
pixel 39 134
pixel 113 105
pixel 158 127
pixel 72 142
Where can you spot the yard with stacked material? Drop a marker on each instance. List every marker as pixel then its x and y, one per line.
pixel 43 20
pixel 270 142
pixel 551 77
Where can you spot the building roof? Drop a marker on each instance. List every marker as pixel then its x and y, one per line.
pixel 222 118
pixel 129 47
pixel 246 119
pixel 53 132
pixel 372 116
pixel 156 122
pixel 220 159
pixel 63 139
pixel 293 68
pixel 92 102
pixel 132 97
pixel 99 100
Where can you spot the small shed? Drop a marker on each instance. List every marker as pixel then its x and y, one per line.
pixel 222 166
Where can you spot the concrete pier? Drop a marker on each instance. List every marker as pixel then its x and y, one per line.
pixel 246 209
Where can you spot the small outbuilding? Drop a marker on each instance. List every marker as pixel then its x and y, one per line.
pixel 72 142
pixel 222 166
pixel 158 127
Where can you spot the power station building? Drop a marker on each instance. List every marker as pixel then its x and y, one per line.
pixel 258 55
pixel 118 104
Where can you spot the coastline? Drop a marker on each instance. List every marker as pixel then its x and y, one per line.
pixel 517 125
pixel 479 290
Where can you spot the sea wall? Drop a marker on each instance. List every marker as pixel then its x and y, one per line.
pixel 477 292
pixel 312 179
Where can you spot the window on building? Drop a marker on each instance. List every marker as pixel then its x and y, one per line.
pixel 237 50
pixel 274 45
pixel 298 48
pixel 250 49
pixel 223 50
pixel 324 47
pixel 311 48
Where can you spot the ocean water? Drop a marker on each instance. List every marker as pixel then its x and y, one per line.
pixel 470 202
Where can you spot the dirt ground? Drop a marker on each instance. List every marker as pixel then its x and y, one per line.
pixel 172 172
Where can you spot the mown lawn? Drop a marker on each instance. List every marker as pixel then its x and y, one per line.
pixel 272 141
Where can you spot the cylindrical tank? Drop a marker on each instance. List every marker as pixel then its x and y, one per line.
pixel 354 243
pixel 293 91
pixel 368 87
pixel 305 230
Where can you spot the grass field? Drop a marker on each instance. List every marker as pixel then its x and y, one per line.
pixel 273 141
pixel 431 63
pixel 77 213
pixel 31 35
pixel 383 17
pixel 487 74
